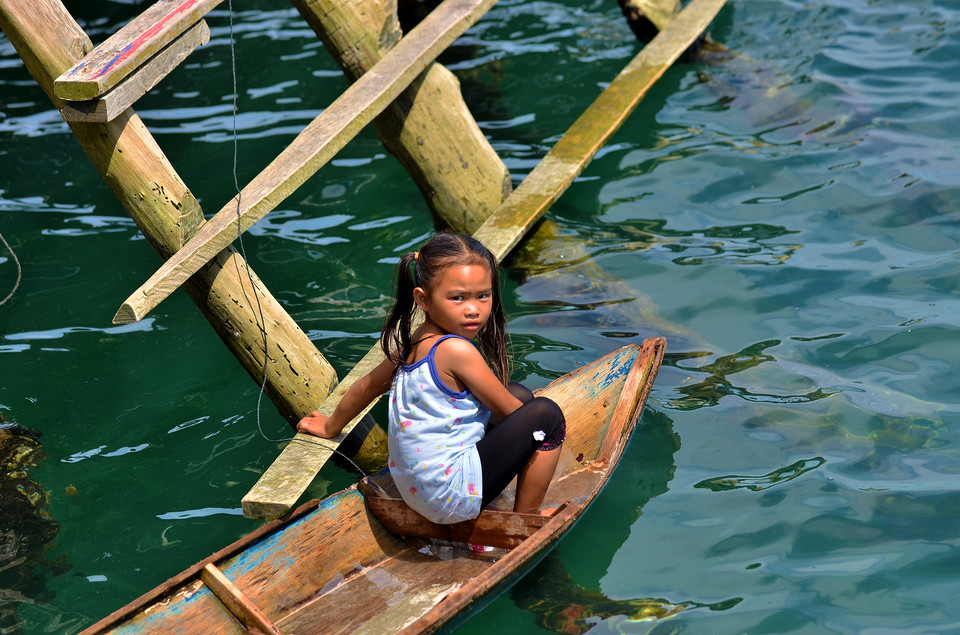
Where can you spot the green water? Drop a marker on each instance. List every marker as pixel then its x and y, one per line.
pixel 786 215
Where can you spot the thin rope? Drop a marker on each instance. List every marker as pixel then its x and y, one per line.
pixel 261 323
pixel 16 261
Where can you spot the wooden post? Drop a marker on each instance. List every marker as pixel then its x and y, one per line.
pixel 49 41
pixel 428 127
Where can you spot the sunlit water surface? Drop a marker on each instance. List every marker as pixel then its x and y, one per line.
pixel 785 214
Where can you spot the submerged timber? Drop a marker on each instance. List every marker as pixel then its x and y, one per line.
pixel 350 565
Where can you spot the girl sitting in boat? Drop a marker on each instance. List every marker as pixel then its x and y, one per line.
pixel 459 432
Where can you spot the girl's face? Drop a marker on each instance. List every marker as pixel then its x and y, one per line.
pixel 461 301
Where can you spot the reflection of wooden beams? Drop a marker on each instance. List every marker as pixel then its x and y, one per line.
pixel 129 48
pixel 145 77
pixel 293 471
pixel 312 148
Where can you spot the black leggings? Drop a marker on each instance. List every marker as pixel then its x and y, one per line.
pixel 507 446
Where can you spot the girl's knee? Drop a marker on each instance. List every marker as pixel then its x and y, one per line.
pixel 547 408
pixel 520 391
pixel 554 427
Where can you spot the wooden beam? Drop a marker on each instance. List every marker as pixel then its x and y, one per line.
pixel 571 154
pixel 123 95
pixel 291 473
pixel 428 127
pixel 234 599
pixel 314 147
pixel 129 48
pixel 131 163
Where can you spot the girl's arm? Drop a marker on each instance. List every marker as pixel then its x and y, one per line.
pixel 357 397
pixel 462 360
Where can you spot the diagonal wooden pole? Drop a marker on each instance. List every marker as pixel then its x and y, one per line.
pixel 428 127
pixel 293 471
pixel 128 158
pixel 311 149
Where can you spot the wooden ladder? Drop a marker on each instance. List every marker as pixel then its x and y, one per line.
pixel 133 60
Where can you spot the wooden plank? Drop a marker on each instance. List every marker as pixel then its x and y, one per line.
pixel 234 599
pixel 279 487
pixel 127 49
pixel 313 147
pixel 294 469
pixel 135 86
pixel 492 528
pixel 571 154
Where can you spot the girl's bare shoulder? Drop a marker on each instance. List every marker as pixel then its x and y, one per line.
pixel 455 351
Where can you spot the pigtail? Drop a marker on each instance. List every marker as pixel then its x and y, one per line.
pixel 419 269
pixel 492 339
pixel 397 333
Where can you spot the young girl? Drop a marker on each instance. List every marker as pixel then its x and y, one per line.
pixel 458 431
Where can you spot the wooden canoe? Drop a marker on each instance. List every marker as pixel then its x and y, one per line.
pixel 360 561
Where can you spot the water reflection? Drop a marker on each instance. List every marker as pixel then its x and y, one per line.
pixel 563 606
pixel 27 530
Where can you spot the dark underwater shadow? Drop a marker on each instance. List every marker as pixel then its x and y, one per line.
pixel 566 599
pixel 27 529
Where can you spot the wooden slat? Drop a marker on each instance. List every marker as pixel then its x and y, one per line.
pixel 123 95
pixel 492 528
pixel 313 147
pixel 293 470
pixel 129 48
pixel 241 607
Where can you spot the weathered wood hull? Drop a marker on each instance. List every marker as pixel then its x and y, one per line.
pixel 331 566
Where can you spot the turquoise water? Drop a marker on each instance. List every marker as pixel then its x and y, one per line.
pixel 785 214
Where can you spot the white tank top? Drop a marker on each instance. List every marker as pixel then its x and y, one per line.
pixel 433 433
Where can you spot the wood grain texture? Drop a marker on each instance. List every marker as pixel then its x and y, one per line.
pixel 428 127
pixel 129 48
pixel 135 168
pixel 310 150
pixel 493 528
pixel 140 81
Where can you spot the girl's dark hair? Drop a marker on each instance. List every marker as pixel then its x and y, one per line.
pixel 421 270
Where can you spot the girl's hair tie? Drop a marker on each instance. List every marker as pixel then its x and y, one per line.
pixel 416 255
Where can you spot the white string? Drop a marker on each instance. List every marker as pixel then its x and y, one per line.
pixel 16 284
pixel 261 323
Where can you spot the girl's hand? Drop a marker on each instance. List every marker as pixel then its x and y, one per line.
pixel 315 424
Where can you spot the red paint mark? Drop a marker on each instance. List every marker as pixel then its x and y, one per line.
pixel 131 48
